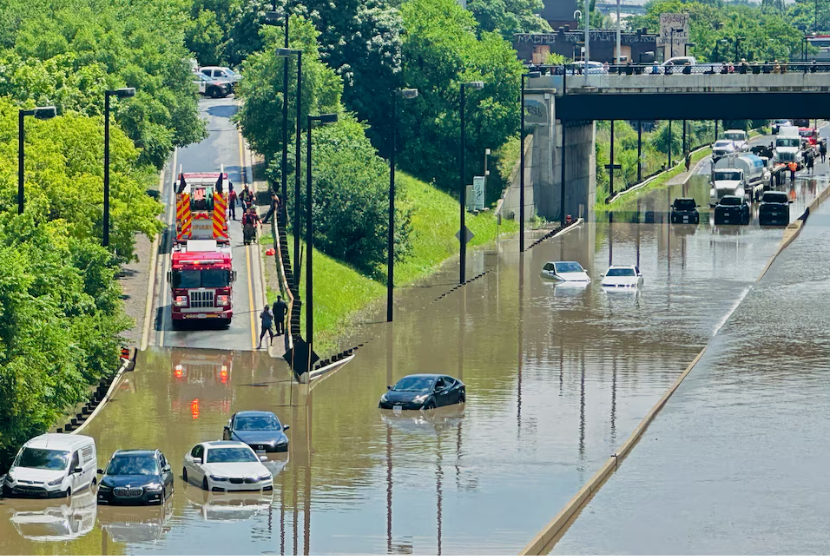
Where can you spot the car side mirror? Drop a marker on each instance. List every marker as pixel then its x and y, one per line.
pixel 233 276
pixel 100 471
pixel 388 386
pixel 166 468
pixel 227 427
pixel 602 275
pixel 169 276
pixel 286 427
pixel 77 471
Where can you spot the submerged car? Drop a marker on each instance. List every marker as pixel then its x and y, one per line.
pixel 774 209
pixel 52 465
pixel 424 391
pixel 684 211
pixel 622 277
pixel 261 430
pixel 732 209
pixel 565 272
pixel 135 477
pixel 226 465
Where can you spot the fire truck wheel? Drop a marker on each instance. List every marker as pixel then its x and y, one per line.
pixel 177 325
pixel 226 323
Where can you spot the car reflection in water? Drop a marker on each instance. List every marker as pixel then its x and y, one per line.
pixel 63 520
pixel 418 422
pixel 228 506
pixel 136 523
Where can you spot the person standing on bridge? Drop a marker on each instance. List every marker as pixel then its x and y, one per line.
pixel 280 310
pixel 266 319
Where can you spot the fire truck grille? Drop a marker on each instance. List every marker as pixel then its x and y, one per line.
pixel 201 299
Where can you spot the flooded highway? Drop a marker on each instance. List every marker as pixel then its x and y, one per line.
pixel 734 464
pixel 556 379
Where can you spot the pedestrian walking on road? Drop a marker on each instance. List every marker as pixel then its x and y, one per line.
pixel 793 167
pixel 232 204
pixel 822 149
pixel 266 319
pixel 811 161
pixel 273 209
pixel 280 310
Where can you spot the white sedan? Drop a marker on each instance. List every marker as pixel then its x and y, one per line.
pixel 622 278
pixel 569 272
pixel 226 465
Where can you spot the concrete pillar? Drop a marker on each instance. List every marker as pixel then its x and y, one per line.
pixel 580 168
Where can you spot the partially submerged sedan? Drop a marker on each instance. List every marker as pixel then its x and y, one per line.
pixel 565 272
pixel 423 391
pixel 622 277
pixel 225 465
pixel 136 477
pixel 261 430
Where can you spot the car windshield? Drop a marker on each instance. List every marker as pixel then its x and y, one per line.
pixel 734 136
pixel 414 384
pixel 723 144
pixel 208 278
pixel 731 201
pixel 257 423
pixel 620 272
pixel 775 198
pixel 133 465
pixel 235 454
pixel 568 267
pixel 788 142
pixel 685 204
pixel 37 458
pixel 727 176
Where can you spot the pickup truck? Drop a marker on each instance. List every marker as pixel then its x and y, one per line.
pixel 732 210
pixel 774 209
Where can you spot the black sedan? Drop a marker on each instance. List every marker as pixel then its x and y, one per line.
pixel 424 392
pixel 136 477
pixel 261 430
pixel 684 211
pixel 732 209
pixel 774 209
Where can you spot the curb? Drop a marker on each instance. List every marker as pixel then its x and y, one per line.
pixel 151 286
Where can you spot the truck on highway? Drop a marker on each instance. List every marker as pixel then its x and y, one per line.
pixel 201 282
pixel 739 138
pixel 788 147
pixel 741 176
pixel 202 207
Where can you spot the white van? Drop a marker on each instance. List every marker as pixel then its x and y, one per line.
pixel 52 465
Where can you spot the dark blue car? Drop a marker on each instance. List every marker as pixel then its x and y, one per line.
pixel 261 430
pixel 136 477
pixel 426 391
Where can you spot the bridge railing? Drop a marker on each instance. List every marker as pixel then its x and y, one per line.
pixel 571 77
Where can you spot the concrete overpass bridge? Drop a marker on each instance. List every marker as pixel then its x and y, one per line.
pixel 561 107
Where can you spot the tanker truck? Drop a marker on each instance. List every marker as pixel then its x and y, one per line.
pixel 738 175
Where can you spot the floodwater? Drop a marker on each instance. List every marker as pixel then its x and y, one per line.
pixel 556 377
pixel 735 462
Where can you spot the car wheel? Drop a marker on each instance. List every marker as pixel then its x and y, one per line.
pixel 463 398
pixel 205 484
pixel 429 405
pixel 68 493
pixel 184 474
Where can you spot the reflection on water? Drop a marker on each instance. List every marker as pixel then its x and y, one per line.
pixel 555 378
pixel 136 524
pixel 51 521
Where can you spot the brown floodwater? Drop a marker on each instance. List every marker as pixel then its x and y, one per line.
pixel 557 378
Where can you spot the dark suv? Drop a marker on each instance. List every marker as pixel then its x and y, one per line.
pixel 684 211
pixel 774 209
pixel 136 477
pixel 732 209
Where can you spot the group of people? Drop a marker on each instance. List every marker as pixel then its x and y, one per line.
pixel 268 318
pixel 250 218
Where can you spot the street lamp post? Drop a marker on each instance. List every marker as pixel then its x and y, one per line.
pixel 274 16
pixel 390 248
pixel 463 181
pixel 284 53
pixel 126 92
pixel 738 41
pixel 529 75
pixel 309 231
pixel 41 113
pixel 686 48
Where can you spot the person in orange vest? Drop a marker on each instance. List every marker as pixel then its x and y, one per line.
pixel 793 167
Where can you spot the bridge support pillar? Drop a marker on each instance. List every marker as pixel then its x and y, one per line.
pixel 580 177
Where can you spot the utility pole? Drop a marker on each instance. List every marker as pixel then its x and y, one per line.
pixel 619 33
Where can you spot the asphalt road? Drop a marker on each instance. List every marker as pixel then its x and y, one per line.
pixel 222 148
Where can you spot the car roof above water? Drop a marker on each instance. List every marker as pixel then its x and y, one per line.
pixel 55 441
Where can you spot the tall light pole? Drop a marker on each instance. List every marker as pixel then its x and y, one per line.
pixel 738 41
pixel 463 182
pixel 528 75
pixel 274 16
pixel 126 92
pixel 587 37
pixel 41 113
pixel 322 119
pixel 619 33
pixel 284 53
pixel 390 248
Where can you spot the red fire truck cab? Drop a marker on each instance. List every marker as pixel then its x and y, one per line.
pixel 201 282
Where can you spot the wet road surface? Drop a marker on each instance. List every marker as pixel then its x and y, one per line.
pixel 222 147
pixel 735 462
pixel 556 378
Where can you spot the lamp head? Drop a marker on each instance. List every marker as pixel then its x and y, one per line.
pixel 325 119
pixel 474 84
pixel 533 74
pixel 45 112
pixel 407 93
pixel 286 52
pixel 273 16
pixel 125 92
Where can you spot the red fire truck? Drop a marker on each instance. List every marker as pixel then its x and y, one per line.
pixel 202 207
pixel 201 282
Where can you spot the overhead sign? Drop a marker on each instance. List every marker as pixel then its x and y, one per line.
pixel 674 30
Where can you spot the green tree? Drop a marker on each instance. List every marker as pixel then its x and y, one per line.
pixel 509 17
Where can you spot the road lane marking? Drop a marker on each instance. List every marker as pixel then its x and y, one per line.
pixel 242 175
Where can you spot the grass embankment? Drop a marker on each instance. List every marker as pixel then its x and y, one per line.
pixel 629 200
pixel 341 292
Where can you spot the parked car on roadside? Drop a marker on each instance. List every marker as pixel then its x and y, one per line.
pixel 210 87
pixel 221 73
pixel 732 209
pixel 423 391
pixel 52 465
pixel 684 211
pixel 774 209
pixel 136 477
